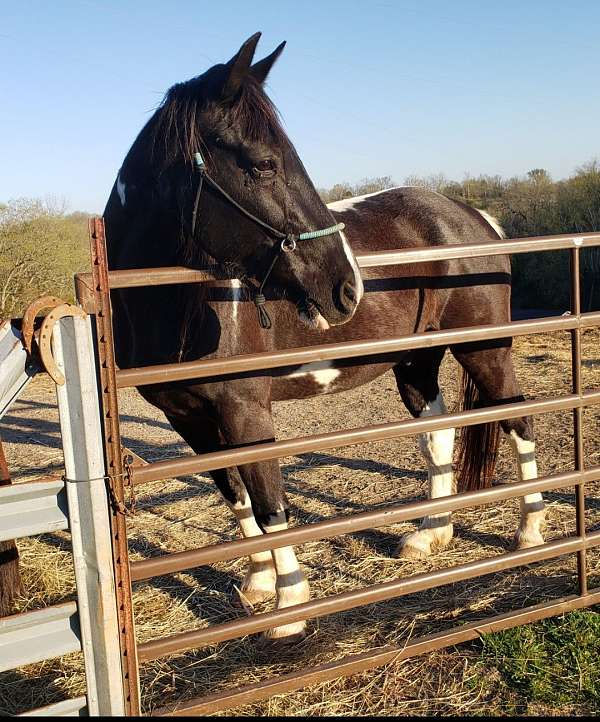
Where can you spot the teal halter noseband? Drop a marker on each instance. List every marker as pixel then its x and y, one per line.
pixel 289 241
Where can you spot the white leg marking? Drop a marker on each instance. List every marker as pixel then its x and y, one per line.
pixel 259 583
pixel 121 189
pixel 529 533
pixel 292 587
pixel 322 372
pixel 437 448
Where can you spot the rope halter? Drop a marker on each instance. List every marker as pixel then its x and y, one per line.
pixel 288 244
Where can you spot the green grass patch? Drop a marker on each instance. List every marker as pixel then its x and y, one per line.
pixel 554 662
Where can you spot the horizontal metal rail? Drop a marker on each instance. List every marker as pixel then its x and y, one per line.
pixel 353 664
pixel 76 707
pixel 161 373
pixel 194 464
pixel 394 514
pixel 361 597
pixel 168 275
pixel 531 244
pixel 39 635
pixel 36 507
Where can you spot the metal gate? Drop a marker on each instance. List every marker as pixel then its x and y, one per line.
pixel 94 294
pixel 76 502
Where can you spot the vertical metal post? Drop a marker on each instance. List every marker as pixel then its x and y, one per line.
pixel 81 431
pixel 578 416
pixel 114 465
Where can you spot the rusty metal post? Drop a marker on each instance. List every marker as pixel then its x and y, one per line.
pixel 114 465
pixel 578 450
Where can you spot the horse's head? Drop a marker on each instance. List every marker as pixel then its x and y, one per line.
pixel 226 116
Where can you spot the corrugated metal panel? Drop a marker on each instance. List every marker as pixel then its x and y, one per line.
pixel 16 370
pixel 32 508
pixel 39 635
pixel 68 708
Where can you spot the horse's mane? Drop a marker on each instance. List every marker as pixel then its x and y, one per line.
pixel 174 132
pixel 172 135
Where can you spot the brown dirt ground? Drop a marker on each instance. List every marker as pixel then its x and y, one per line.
pixel 187 513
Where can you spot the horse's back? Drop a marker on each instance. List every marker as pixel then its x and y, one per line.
pixel 412 217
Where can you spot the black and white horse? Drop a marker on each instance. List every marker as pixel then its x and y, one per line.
pixel 250 198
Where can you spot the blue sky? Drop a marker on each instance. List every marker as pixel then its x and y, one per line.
pixel 390 87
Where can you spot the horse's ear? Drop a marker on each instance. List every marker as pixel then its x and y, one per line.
pixel 260 70
pixel 238 67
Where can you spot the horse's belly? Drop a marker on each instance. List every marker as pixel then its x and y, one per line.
pixel 324 378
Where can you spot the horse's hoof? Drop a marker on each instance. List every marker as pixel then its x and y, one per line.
pixel 408 551
pixel 251 597
pixel 409 548
pixel 526 541
pixel 287 635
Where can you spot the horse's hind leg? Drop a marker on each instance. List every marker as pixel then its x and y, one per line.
pixel 417 379
pixel 203 436
pixel 492 372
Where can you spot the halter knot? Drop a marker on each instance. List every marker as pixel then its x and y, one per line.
pixel 263 317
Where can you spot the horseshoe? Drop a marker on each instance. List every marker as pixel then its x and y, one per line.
pixel 29 317
pixel 65 309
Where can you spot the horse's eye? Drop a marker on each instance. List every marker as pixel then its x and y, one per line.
pixel 264 169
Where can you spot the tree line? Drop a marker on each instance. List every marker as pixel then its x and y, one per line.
pixel 530 205
pixel 42 246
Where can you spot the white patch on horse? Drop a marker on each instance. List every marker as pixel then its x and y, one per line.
pixel 322 372
pixel 121 189
pixel 494 223
pixel 358 282
pixel 236 297
pixel 347 204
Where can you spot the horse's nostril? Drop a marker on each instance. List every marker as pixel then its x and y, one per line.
pixel 348 296
pixel 350 292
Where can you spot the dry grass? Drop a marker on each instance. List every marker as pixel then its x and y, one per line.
pixel 187 513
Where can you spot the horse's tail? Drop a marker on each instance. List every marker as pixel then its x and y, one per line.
pixel 477 445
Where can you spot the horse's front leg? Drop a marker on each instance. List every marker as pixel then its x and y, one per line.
pixel 417 379
pixel 436 530
pixel 245 420
pixel 260 581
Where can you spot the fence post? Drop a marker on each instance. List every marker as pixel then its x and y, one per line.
pixel 81 429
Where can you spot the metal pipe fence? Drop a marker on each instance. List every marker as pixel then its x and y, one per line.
pixel 94 293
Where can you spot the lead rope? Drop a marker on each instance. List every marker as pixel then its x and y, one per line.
pixel 288 243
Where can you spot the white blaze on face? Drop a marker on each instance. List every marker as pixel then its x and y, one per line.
pixel 322 372
pixel 358 282
pixel 121 189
